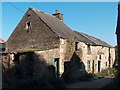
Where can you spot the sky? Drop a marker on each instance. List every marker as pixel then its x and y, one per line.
pixel 98 19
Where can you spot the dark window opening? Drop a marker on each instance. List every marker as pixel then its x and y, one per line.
pixel 28 15
pixel 106 64
pixel 76 46
pixel 27 25
pixel 88 49
pixel 100 57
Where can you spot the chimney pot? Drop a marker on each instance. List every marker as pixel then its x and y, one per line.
pixel 57 11
pixel 58 15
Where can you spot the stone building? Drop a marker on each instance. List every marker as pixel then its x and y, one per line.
pixel 2 45
pixel 48 37
pixel 2 48
pixel 96 54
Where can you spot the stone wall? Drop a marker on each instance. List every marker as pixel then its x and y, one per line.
pixel 67 49
pixel 39 37
pixel 52 59
pixel 98 53
pixel 7 61
pixel 63 47
pixel 48 54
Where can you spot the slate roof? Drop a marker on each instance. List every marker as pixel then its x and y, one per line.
pixel 84 39
pixel 94 41
pixel 62 30
pixel 56 25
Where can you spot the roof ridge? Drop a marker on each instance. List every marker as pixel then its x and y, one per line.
pixel 42 11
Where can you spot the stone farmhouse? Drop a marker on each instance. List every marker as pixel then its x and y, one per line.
pixel 50 38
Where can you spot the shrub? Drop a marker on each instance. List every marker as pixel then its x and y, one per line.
pixel 107 73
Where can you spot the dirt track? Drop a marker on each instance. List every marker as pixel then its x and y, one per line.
pixel 94 84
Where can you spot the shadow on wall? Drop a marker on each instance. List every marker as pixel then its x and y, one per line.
pixel 74 70
pixel 28 67
pixel 115 64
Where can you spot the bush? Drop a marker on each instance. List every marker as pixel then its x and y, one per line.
pixel 107 73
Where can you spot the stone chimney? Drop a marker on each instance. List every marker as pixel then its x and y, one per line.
pixel 58 15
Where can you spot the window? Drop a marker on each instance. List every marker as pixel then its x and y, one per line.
pixel 100 57
pixel 28 15
pixel 76 46
pixel 88 49
pixel 106 64
pixel 27 25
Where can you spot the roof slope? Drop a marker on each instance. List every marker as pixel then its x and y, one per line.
pixel 84 39
pixel 96 40
pixel 56 25
pixel 92 40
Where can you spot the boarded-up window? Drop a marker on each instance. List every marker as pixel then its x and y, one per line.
pixel 52 61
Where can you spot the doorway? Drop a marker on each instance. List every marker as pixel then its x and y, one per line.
pixel 57 67
pixel 93 66
pixel 99 66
